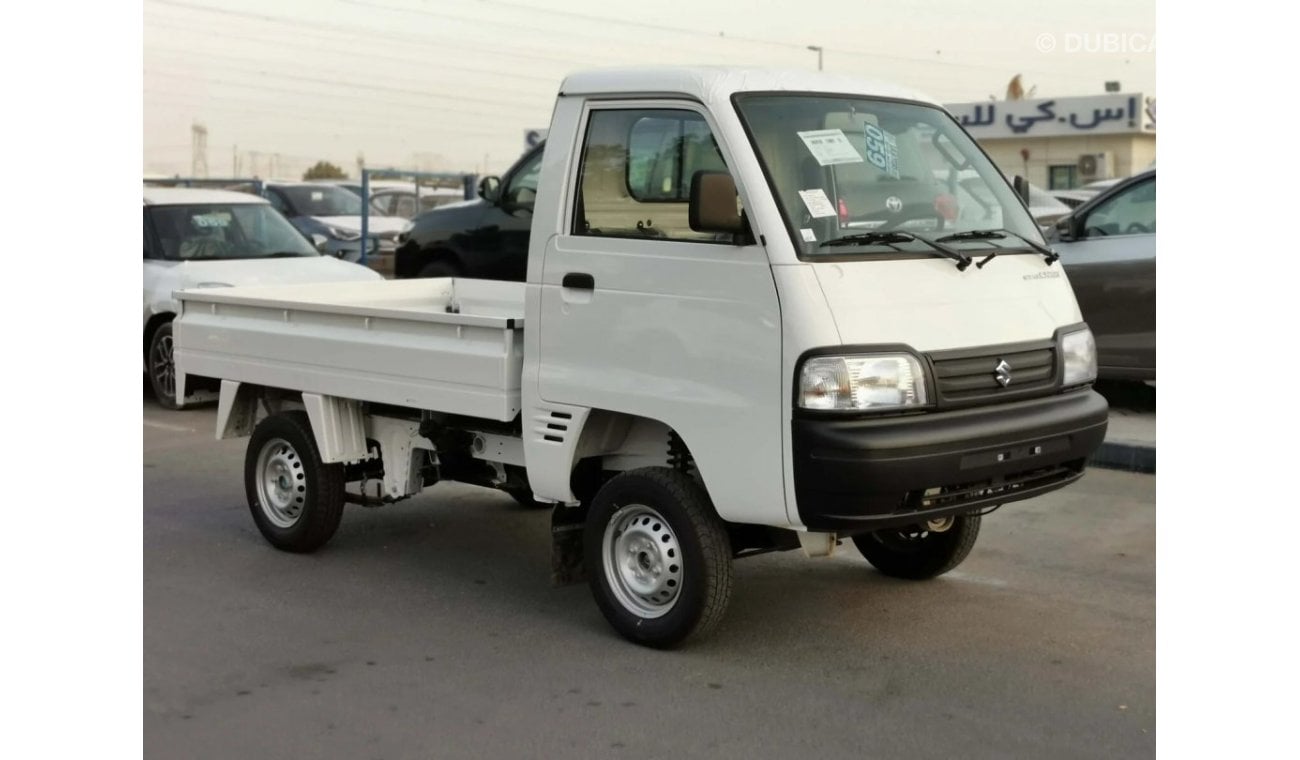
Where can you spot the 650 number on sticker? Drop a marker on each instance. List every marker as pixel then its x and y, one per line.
pixel 882 150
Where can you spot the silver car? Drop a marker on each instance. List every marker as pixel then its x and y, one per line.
pixel 1108 247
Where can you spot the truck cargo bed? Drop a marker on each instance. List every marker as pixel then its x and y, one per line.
pixel 448 345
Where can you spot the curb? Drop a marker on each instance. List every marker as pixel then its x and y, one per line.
pixel 1130 457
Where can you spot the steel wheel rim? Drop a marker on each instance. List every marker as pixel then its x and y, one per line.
pixel 643 561
pixel 281 483
pixel 162 367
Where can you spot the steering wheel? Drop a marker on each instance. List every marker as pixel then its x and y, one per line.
pixel 1136 228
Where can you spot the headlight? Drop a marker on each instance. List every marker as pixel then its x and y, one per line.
pixel 339 233
pixel 870 382
pixel 1079 352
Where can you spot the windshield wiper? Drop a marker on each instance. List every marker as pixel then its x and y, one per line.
pixel 894 237
pixel 999 234
pixel 285 255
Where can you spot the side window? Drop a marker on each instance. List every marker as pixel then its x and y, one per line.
pixel 405 206
pixel 636 173
pixel 278 202
pixel 150 251
pixel 521 192
pixel 1130 212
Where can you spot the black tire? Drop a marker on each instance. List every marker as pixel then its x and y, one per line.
pixel 162 367
pixel 917 554
pixel 439 269
pixel 313 506
pixel 686 522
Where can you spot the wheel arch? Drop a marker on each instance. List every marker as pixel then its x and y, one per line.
pixel 414 262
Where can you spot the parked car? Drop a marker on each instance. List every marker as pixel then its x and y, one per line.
pixel 1108 247
pixel 329 210
pixel 1073 198
pixel 210 239
pixel 1046 209
pixel 408 204
pixel 486 238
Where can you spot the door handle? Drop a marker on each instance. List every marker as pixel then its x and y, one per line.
pixel 578 281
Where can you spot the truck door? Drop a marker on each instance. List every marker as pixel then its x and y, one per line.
pixel 642 315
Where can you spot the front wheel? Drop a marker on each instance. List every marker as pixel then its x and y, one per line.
pixel 658 557
pixel 923 551
pixel 162 367
pixel 296 499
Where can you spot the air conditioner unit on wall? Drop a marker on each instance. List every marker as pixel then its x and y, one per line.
pixel 1094 166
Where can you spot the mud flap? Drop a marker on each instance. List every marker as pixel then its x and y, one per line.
pixel 567 525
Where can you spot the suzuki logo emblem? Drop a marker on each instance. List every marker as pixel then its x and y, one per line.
pixel 1002 373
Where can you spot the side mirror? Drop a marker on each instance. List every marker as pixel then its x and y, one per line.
pixel 1070 228
pixel 1021 186
pixel 489 188
pixel 713 206
pixel 320 241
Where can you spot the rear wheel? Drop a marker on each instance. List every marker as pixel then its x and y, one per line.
pixel 658 557
pixel 922 551
pixel 296 499
pixel 162 367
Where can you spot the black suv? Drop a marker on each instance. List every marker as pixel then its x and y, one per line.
pixel 485 238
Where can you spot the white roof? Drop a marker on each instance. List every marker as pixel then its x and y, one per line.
pixel 164 196
pixel 715 84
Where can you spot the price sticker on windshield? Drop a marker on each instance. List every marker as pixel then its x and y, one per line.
pixel 830 146
pixel 882 150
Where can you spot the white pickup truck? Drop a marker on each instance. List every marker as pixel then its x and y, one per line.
pixel 751 322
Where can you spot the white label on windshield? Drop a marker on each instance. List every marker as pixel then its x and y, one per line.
pixel 317 195
pixel 817 202
pixel 882 150
pixel 214 219
pixel 808 235
pixel 830 146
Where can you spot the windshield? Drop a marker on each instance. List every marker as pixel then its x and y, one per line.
pixel 321 200
pixel 843 165
pixel 226 231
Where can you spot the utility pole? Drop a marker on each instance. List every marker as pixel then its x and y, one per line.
pixel 234 161
pixel 198 150
pixel 818 49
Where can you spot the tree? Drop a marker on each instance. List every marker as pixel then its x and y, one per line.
pixel 325 170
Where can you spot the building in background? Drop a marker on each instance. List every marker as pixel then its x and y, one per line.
pixel 1063 143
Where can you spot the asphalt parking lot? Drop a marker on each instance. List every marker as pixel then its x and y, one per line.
pixel 429 629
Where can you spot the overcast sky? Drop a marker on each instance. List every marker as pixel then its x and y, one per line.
pixel 452 84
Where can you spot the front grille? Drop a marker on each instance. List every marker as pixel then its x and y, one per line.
pixel 971 376
pixel 996 490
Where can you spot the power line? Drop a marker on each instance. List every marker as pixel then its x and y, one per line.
pixel 341 96
pixel 335 116
pixel 495 23
pixel 352 32
pixel 369 56
pixel 367 87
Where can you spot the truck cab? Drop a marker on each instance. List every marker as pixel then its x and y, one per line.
pixel 762 310
pixel 828 366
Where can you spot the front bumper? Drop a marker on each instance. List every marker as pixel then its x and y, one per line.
pixel 879 472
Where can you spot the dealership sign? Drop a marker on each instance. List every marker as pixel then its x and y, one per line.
pixel 1056 117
